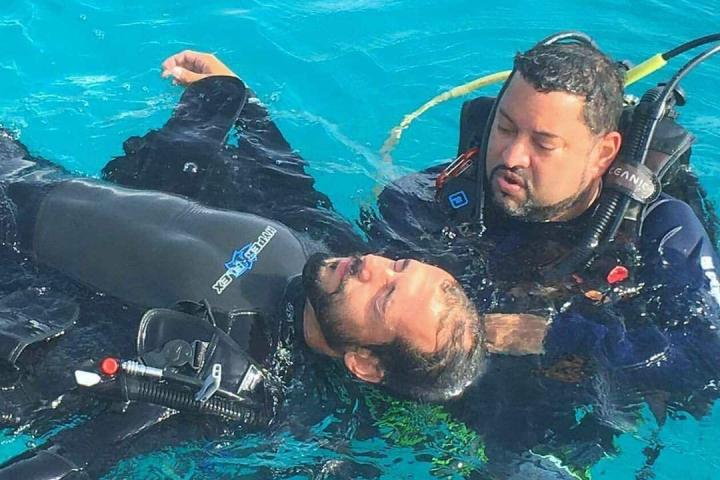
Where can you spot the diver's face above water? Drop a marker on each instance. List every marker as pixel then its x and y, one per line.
pixel 374 300
pixel 542 157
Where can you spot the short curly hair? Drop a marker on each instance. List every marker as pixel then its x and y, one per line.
pixel 444 374
pixel 581 70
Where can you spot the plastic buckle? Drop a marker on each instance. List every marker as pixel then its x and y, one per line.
pixel 199 349
pixel 457 167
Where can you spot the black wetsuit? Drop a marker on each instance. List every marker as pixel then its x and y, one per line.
pixel 153 249
pixel 654 340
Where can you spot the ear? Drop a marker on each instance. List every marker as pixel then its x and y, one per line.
pixel 605 152
pixel 364 365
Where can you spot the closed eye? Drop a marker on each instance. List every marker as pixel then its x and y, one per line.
pixel 388 297
pixel 544 146
pixel 401 265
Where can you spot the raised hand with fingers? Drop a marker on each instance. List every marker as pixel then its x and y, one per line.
pixel 188 67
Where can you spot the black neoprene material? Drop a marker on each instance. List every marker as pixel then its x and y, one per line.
pixel 70 456
pixel 156 254
pixel 176 158
pixel 28 317
pixel 206 114
pixel 44 465
pixel 153 249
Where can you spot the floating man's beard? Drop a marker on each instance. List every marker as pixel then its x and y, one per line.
pixel 327 304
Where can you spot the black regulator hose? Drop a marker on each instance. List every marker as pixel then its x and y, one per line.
pixel 613 205
pixel 138 389
pixel 715 37
pixel 569 36
pixel 479 210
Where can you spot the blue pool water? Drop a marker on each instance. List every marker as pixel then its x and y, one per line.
pixel 80 76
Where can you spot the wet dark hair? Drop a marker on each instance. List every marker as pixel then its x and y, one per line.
pixel 580 70
pixel 441 375
pixel 407 372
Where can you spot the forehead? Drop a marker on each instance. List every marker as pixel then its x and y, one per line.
pixel 423 319
pixel 529 108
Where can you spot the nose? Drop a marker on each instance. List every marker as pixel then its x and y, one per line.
pixel 516 154
pixel 375 268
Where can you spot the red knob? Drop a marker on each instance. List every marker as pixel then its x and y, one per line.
pixel 617 275
pixel 109 366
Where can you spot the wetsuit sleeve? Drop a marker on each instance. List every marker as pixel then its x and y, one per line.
pixel 189 153
pixel 679 256
pixel 260 167
pixel 262 174
pixel 258 174
pixel 174 158
pixel 618 353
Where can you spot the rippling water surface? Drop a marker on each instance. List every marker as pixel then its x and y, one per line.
pixel 78 77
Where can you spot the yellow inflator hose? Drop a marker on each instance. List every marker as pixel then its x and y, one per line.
pixel 636 73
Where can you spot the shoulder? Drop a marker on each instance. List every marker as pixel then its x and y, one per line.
pixel 408 204
pixel 669 218
pixel 675 245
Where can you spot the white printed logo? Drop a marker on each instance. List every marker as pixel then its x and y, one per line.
pixel 242 260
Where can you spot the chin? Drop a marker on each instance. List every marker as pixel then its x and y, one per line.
pixel 509 206
pixel 313 270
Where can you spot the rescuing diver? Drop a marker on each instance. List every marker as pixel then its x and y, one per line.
pixel 584 210
pixel 561 182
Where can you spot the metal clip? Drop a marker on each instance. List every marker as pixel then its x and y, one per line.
pixel 252 377
pixel 211 384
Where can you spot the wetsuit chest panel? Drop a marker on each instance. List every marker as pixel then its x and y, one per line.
pixel 154 249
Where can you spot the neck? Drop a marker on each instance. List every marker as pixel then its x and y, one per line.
pixel 515 334
pixel 312 332
pixel 581 203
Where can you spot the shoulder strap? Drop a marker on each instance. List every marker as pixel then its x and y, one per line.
pixel 456 186
pixel 473 118
pixel 669 152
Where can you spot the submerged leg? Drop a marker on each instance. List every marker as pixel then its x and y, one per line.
pixel 89 449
